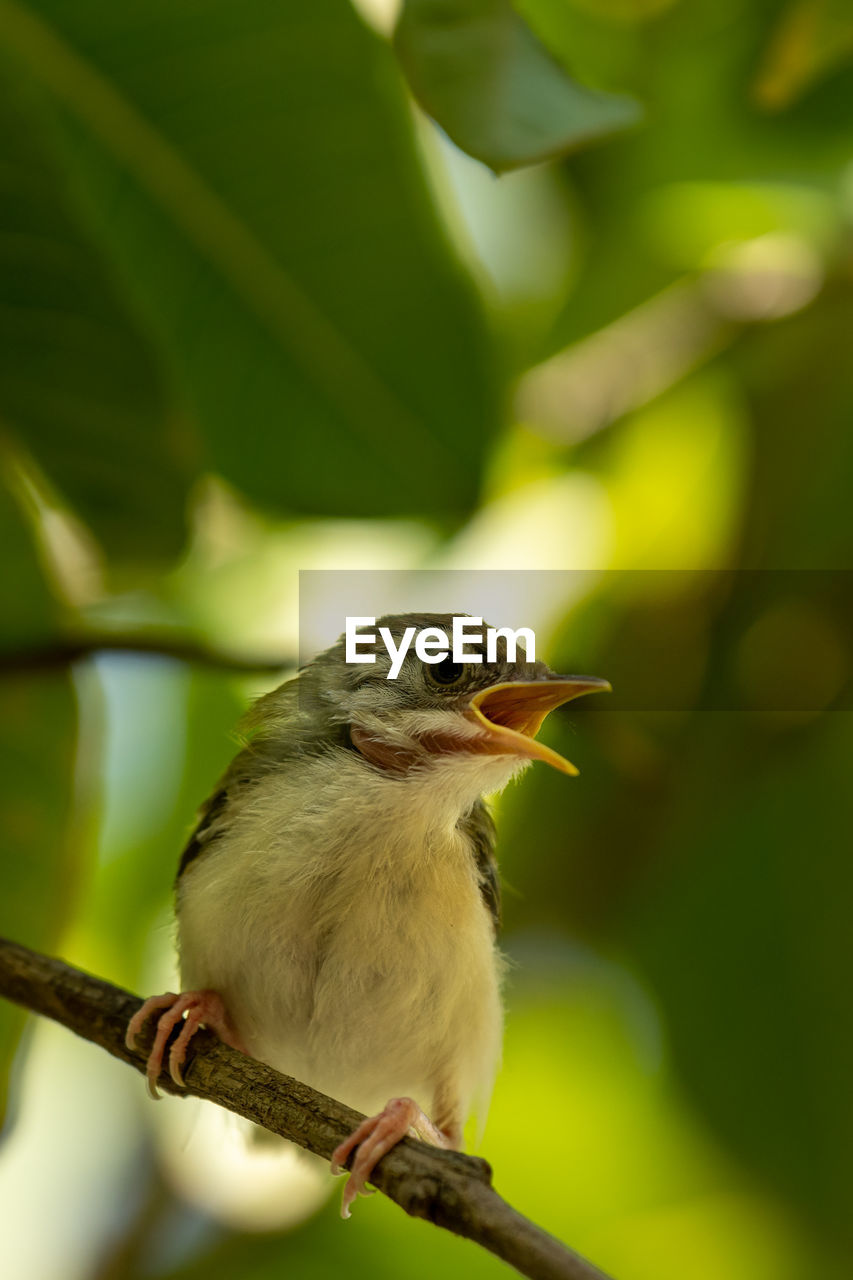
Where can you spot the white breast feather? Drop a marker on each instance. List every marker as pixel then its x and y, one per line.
pixel 340 917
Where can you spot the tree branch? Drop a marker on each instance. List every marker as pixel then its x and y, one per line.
pixel 64 651
pixel 448 1188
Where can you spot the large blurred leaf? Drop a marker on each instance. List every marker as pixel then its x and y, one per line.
pixel 78 383
pixel 27 609
pixel 692 65
pixel 746 935
pixel 37 734
pixel 250 169
pixel 479 71
pixel 812 39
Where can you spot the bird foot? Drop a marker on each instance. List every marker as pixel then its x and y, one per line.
pixel 375 1137
pixel 195 1009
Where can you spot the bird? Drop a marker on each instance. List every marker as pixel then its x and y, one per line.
pixel 338 902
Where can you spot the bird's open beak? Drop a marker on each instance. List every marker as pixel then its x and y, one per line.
pixel 511 714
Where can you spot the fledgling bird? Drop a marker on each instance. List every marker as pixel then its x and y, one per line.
pixel 338 901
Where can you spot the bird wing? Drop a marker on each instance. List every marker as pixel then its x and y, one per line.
pixel 478 825
pixel 216 814
pixel 209 826
pixel 262 751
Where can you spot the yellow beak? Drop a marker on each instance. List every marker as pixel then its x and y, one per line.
pixel 511 714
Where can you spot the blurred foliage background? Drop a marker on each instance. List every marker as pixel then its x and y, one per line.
pixel 266 306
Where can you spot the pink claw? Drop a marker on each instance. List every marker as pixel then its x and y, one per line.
pixel 194 1008
pixel 374 1138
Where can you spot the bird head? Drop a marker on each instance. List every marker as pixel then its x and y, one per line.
pixel 478 717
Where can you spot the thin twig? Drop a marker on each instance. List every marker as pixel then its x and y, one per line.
pixel 66 650
pixel 446 1187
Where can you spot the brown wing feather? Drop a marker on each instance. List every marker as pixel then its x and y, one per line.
pixel 479 827
pixel 208 827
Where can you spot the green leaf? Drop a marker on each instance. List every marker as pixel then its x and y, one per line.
pixel 78 383
pixel 251 172
pixel 37 736
pixel 746 937
pixel 482 75
pixel 37 864
pixel 27 609
pixel 811 39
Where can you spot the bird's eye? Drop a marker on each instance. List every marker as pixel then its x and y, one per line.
pixel 447 672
